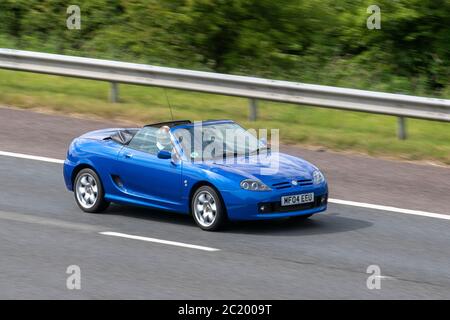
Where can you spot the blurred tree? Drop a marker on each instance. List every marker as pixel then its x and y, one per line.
pixel 318 41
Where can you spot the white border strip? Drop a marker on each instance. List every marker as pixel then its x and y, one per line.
pixel 172 243
pixel 391 209
pixel 337 201
pixel 29 157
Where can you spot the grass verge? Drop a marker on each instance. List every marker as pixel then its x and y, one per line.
pixel 309 126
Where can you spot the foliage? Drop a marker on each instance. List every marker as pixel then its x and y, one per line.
pixel 316 41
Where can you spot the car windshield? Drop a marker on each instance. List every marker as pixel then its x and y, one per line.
pixel 152 140
pixel 217 140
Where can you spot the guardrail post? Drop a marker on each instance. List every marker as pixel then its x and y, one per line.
pixel 252 109
pixel 114 92
pixel 401 129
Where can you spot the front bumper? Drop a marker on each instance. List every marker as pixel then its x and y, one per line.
pixel 67 172
pixel 247 205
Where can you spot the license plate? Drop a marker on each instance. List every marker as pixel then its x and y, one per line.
pixel 297 199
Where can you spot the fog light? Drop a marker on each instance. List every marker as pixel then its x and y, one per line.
pixel 264 208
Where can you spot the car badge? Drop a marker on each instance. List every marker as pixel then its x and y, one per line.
pixel 294 182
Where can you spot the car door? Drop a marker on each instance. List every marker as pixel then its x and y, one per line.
pixel 146 177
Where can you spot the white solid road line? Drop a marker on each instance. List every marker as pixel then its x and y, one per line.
pixel 49 222
pixel 391 209
pixel 29 157
pixel 337 201
pixel 172 243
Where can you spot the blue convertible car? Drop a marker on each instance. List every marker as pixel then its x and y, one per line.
pixel 215 170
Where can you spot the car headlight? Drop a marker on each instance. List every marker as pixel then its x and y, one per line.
pixel 318 177
pixel 253 185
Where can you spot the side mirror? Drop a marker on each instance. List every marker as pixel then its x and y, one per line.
pixel 164 154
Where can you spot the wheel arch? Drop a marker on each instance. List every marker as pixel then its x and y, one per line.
pixel 80 167
pixel 202 183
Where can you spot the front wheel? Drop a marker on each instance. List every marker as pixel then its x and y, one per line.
pixel 88 192
pixel 207 209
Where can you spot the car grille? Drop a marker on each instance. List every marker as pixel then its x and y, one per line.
pixel 276 207
pixel 288 184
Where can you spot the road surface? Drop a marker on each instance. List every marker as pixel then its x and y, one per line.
pixel 42 232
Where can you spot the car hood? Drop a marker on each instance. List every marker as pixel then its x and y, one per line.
pixel 289 168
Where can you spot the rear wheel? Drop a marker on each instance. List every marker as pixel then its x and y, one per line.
pixel 88 191
pixel 207 209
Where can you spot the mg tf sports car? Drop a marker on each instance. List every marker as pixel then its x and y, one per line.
pixel 215 171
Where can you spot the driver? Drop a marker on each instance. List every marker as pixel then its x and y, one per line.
pixel 163 141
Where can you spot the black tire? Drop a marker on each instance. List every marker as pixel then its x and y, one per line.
pixel 220 216
pixel 100 204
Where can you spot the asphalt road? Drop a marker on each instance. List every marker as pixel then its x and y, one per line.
pixel 42 232
pixel 351 177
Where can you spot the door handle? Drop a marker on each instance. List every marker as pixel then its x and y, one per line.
pixel 128 155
